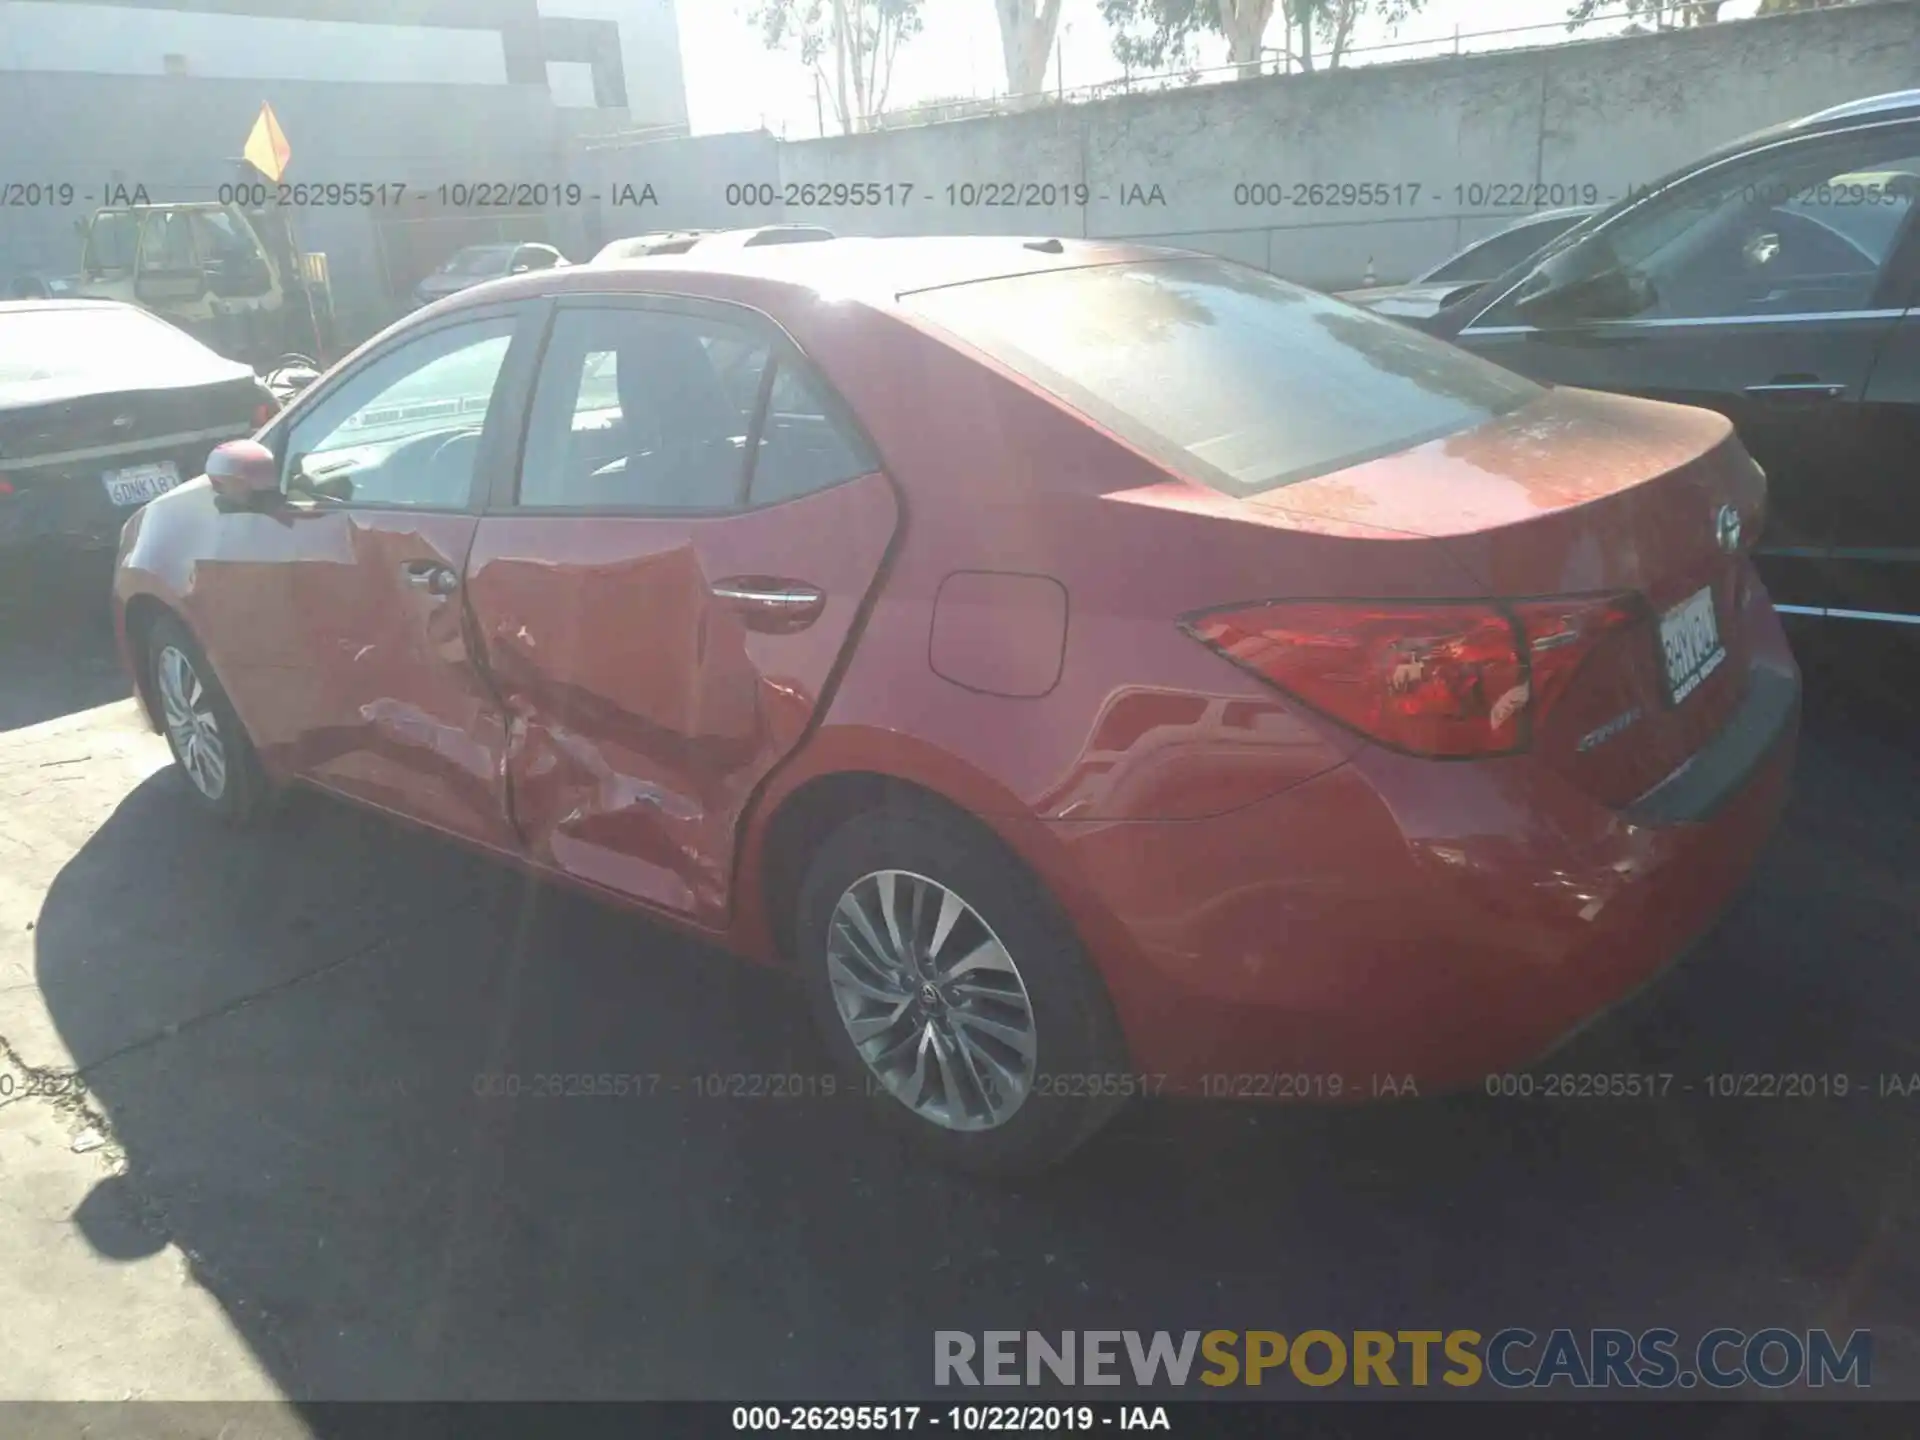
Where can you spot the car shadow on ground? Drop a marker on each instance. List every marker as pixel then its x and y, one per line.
pixel 302 1036
pixel 56 643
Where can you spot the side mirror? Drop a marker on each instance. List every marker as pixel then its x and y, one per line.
pixel 244 473
pixel 1613 294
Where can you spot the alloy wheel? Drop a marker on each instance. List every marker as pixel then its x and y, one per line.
pixel 191 723
pixel 932 1001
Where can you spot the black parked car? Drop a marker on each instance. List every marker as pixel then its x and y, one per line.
pixel 1466 270
pixel 103 407
pixel 1773 281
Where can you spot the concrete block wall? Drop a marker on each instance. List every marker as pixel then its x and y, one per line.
pixel 1584 119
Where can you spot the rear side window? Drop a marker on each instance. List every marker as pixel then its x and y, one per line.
pixel 804 444
pixel 642 410
pixel 1223 373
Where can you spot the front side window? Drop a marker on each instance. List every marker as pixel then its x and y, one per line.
pixel 166 242
pixel 1802 229
pixel 405 430
pixel 230 254
pixel 111 241
pixel 1224 373
pixel 642 410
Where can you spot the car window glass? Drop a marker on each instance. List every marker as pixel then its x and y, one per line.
pixel 111 241
pixel 1498 253
pixel 1803 230
pixel 803 445
pixel 230 255
pixel 406 429
pixel 642 410
pixel 1224 373
pixel 166 243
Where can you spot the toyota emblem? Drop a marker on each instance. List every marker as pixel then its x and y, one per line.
pixel 1726 529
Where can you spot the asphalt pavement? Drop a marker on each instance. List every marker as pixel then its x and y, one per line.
pixel 291 1170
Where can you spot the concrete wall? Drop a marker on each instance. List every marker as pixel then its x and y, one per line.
pixel 1605 114
pixel 689 178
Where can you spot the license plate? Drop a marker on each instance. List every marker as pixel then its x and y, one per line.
pixel 1690 635
pixel 138 484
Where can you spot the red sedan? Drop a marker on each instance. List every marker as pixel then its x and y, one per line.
pixel 1094 669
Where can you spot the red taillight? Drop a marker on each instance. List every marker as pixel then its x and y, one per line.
pixel 6 486
pixel 1443 679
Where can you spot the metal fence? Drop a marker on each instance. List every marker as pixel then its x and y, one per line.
pixel 1273 61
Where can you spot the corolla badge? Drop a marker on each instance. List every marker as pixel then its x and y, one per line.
pixel 1726 529
pixel 1595 738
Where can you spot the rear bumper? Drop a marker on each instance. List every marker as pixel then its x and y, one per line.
pixel 73 510
pixel 71 506
pixel 1399 918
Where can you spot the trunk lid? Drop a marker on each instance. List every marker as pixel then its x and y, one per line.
pixel 1585 493
pixel 35 427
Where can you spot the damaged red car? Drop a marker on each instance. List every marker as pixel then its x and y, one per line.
pixel 1093 669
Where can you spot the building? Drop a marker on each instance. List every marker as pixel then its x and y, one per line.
pixel 104 97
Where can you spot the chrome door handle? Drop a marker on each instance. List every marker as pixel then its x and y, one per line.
pixel 1797 389
pixel 430 576
pixel 778 607
pixel 784 597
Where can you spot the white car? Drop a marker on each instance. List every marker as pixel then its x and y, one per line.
pixel 679 242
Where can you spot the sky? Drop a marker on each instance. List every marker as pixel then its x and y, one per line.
pixel 735 83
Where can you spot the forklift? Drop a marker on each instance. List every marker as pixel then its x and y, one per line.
pixel 234 279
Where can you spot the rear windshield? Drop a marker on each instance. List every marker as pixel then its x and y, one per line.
pixel 1223 373
pixel 112 348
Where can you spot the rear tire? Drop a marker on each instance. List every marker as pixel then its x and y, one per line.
pixel 210 746
pixel 986 1036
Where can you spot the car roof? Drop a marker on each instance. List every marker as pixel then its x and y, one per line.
pixel 10 307
pixel 629 247
pixel 1870 109
pixel 874 270
pixel 1565 212
pixel 725 238
pixel 1877 106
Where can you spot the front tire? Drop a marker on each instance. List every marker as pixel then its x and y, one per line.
pixel 949 987
pixel 209 745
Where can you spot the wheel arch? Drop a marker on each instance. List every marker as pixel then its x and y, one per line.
pixel 143 612
pixel 854 774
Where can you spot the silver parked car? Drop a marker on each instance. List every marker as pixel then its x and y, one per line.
pixel 477 264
